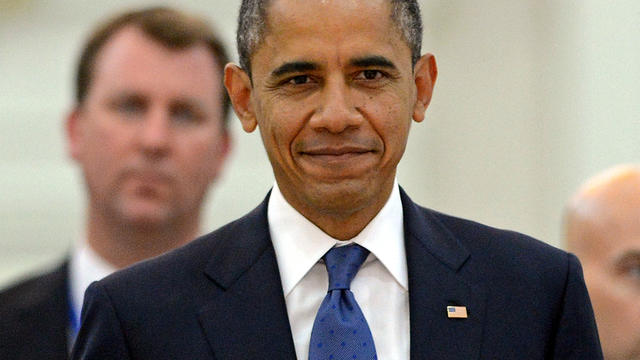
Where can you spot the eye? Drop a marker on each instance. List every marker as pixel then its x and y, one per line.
pixel 129 106
pixel 299 80
pixel 370 75
pixel 184 114
pixel 634 271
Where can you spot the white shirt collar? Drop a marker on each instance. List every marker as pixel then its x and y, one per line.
pixel 86 267
pixel 299 244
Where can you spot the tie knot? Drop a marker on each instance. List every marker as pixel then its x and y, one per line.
pixel 343 263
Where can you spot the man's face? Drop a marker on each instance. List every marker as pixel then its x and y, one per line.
pixel 333 93
pixel 612 274
pixel 149 135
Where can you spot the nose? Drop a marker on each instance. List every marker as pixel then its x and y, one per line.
pixel 155 133
pixel 336 112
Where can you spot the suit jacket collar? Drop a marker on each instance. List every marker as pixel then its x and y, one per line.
pixel 248 319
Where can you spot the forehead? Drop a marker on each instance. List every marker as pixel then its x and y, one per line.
pixel 611 223
pixel 132 58
pixel 320 28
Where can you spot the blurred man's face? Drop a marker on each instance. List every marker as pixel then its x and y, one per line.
pixel 333 94
pixel 149 136
pixel 611 263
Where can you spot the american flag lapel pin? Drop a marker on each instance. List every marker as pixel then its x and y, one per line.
pixel 457 312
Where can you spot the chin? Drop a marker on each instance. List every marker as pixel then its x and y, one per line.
pixel 142 222
pixel 345 195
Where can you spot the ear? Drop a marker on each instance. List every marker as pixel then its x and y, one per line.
pixel 73 132
pixel 424 74
pixel 239 88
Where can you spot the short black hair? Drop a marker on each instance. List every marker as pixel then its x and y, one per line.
pixel 253 17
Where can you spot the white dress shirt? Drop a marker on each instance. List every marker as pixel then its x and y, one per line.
pixel 86 266
pixel 380 287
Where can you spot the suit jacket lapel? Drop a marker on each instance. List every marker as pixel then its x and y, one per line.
pixel 435 261
pixel 247 319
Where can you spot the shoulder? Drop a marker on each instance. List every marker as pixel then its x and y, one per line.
pixel 502 248
pixel 494 243
pixel 185 266
pixel 479 240
pixel 491 255
pixel 34 311
pixel 34 291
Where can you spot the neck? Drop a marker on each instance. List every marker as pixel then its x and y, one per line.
pixel 345 226
pixel 123 244
pixel 346 217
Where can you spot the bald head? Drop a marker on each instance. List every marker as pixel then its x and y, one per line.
pixel 602 226
pixel 606 204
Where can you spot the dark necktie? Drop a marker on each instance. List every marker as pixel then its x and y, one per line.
pixel 340 330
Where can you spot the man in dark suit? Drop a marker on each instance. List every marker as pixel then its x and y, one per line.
pixel 338 262
pixel 149 133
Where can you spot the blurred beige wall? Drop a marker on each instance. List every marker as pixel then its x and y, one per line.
pixel 533 96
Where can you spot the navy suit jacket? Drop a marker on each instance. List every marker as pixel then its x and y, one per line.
pixel 34 318
pixel 220 297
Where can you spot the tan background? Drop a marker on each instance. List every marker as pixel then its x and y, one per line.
pixel 533 97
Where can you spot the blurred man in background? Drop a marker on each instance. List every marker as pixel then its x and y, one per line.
pixel 149 133
pixel 603 230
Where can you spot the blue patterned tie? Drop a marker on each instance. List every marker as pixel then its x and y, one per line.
pixel 340 330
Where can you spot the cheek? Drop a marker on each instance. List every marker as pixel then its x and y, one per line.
pixel 598 285
pixel 615 306
pixel 103 147
pixel 198 157
pixel 280 131
pixel 110 134
pixel 387 107
pixel 392 124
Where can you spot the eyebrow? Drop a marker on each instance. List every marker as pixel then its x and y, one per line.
pixel 188 102
pixel 294 67
pixel 119 97
pixel 373 61
pixel 302 66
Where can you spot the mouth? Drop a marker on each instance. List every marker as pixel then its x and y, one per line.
pixel 150 177
pixel 336 151
pixel 147 181
pixel 341 158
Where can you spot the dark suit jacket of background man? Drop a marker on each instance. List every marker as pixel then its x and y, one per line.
pixel 34 318
pixel 220 297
